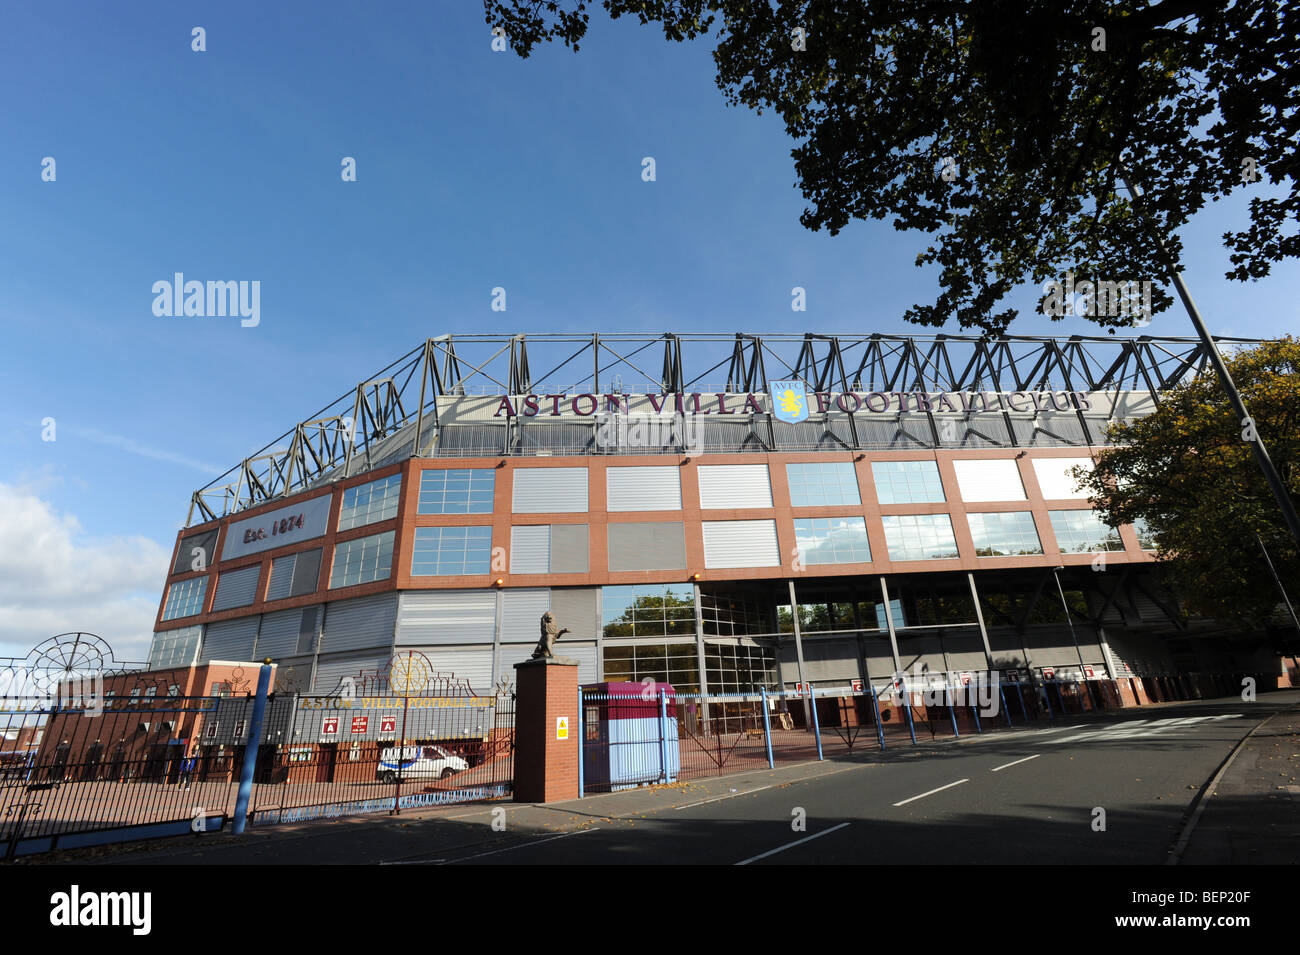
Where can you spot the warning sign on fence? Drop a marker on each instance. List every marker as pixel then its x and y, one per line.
pixel 329 726
pixel 561 727
pixel 857 686
pixel 359 723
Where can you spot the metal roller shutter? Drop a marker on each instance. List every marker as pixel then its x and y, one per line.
pixel 530 549
pixel 447 616
pixel 741 544
pixel 279 635
pixel 550 490
pixel 521 615
pixel 724 486
pixel 281 577
pixel 643 489
pixel 585 654
pixel 229 640
pixel 473 664
pixel 331 670
pixel 989 480
pixel 575 608
pixel 236 588
pixel 1054 480
pixel 660 545
pixel 362 622
pixel 569 549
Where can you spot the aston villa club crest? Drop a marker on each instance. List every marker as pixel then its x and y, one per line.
pixel 789 401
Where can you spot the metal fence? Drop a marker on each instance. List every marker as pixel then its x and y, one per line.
pixel 124 769
pixel 377 754
pixel 660 736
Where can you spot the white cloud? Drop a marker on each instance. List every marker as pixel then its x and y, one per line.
pixel 54 579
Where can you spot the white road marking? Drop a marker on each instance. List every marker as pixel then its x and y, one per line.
pixel 791 845
pixel 524 845
pixel 931 792
pixel 744 792
pixel 1016 763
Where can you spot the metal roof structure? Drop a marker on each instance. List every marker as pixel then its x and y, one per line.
pixel 394 413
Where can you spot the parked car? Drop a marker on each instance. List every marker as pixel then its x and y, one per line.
pixel 419 762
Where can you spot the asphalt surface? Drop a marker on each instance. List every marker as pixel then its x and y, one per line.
pixel 1115 789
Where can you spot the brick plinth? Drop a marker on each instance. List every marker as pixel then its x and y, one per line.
pixel 546 768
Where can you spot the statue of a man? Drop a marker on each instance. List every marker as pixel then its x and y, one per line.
pixel 550 633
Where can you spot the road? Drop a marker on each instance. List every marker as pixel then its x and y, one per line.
pixel 1031 796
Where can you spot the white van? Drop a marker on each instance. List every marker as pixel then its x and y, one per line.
pixel 419 762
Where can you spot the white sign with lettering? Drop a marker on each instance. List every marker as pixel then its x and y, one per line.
pixel 278 528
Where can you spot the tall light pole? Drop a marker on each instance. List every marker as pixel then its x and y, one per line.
pixel 1256 442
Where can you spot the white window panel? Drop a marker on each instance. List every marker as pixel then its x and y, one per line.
pixel 741 544
pixel 550 490
pixel 643 489
pixel 725 486
pixel 989 480
pixel 1055 480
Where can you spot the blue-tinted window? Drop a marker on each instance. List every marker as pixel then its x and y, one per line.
pixel 832 540
pixel 370 503
pixel 185 598
pixel 1004 534
pixel 457 491
pixel 448 551
pixel 362 560
pixel 1083 532
pixel 818 484
pixel 907 482
pixel 919 537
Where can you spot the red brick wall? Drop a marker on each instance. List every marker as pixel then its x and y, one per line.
pixel 546 768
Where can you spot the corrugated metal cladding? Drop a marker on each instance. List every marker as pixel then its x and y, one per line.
pixel 294 575
pixel 281 630
pixel 741 544
pixel 521 615
pixel 361 622
pixel 734 485
pixel 824 661
pixel 281 577
pixel 659 545
pixel 550 490
pixel 236 588
pixel 464 663
pixel 229 640
pixel 331 670
pixel 585 654
pixel 569 549
pixel 293 675
pixel 530 549
pixel 643 489
pixel 446 616
pixel 575 608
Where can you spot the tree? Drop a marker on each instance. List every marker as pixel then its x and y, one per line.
pixel 1186 471
pixel 1001 129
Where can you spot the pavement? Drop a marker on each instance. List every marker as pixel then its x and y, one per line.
pixel 1252 813
pixel 1115 788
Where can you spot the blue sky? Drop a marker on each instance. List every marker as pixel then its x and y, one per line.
pixel 475 169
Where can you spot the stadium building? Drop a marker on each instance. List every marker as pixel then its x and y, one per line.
pixel 716 512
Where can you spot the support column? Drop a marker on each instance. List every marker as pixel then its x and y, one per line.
pixel 798 649
pixel 979 617
pixel 699 656
pixel 889 622
pixel 547 747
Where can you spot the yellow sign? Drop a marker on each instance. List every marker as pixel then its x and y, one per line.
pixel 561 727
